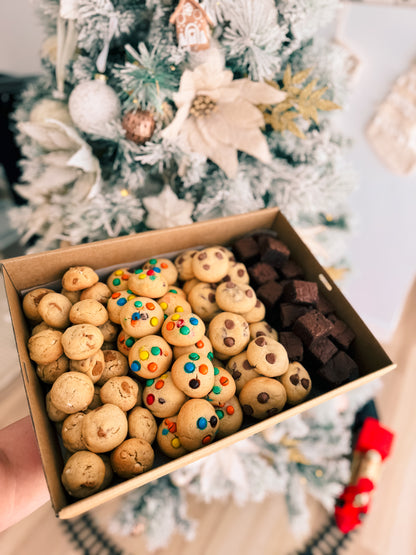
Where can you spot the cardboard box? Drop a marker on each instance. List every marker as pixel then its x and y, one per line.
pixel 27 272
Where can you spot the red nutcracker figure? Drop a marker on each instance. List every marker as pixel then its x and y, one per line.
pixel 372 447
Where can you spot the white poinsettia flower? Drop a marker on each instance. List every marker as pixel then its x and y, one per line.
pixel 218 115
pixel 167 210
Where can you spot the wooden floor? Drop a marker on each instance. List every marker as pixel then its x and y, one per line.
pixel 225 529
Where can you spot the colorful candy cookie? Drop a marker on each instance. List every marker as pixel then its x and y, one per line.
pixel 116 302
pixel 203 347
pixel 141 316
pixel 49 372
pixel 228 333
pixel 193 374
pixel 54 310
pixel 104 428
pixel 83 474
pixel 177 291
pixel 125 342
pixel 162 397
pixel 172 302
pixel 256 314
pixel 81 341
pixel 297 383
pixel 72 392
pixel 197 424
pixel 167 268
pixel 121 391
pixel 268 356
pixel 183 263
pixel 202 300
pixel 262 397
pixel 148 283
pixel 235 297
pixel 71 432
pixel 210 264
pixel 142 424
pixel 31 303
pixel 93 366
pixel 182 329
pixel 133 457
pixel 115 364
pixel 88 311
pixel 237 272
pixel 230 416
pixel 262 328
pixel 150 357
pixel 45 346
pixel 79 277
pixel 168 440
pixel 241 370
pixel 99 292
pixel 224 387
pixel 117 280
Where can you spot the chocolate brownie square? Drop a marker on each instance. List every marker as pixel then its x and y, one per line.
pixel 323 305
pixel 291 270
pixel 289 313
pixel 261 273
pixel 273 251
pixel 300 292
pixel 322 349
pixel 338 370
pixel 269 293
pixel 292 344
pixel 311 326
pixel 246 250
pixel 341 333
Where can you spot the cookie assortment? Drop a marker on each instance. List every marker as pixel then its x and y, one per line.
pixel 177 353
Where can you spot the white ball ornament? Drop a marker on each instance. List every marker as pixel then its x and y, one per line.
pixel 93 105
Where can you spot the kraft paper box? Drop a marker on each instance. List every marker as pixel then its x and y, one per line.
pixel 30 271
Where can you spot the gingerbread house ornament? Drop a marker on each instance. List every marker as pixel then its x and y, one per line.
pixel 192 25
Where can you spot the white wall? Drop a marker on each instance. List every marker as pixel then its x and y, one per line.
pixel 20 38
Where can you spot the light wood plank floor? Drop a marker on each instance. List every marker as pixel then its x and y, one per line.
pixel 263 528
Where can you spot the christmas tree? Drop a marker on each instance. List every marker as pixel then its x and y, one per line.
pixel 157 113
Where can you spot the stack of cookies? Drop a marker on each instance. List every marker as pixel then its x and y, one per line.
pixel 169 356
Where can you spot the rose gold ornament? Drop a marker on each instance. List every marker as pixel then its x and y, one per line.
pixel 139 126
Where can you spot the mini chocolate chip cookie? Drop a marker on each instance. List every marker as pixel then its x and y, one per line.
pixel 268 356
pixel 262 397
pixel 237 272
pixel 256 314
pixel 241 370
pixel 210 265
pixel 262 328
pixel 202 300
pixel 183 263
pixel 235 297
pixel 297 383
pixel 115 364
pixel 228 333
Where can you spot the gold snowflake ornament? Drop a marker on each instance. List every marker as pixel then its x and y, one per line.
pixel 301 101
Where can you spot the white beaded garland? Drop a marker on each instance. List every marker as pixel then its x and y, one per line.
pixel 93 105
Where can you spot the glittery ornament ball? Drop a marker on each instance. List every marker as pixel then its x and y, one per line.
pixel 139 126
pixel 93 105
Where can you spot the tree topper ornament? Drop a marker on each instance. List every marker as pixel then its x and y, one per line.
pixel 218 116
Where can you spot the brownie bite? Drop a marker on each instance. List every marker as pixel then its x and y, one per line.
pixel 341 333
pixel 261 273
pixel 322 350
pixel 269 293
pixel 291 270
pixel 300 292
pixel 338 370
pixel 311 326
pixel 289 313
pixel 273 251
pixel 246 250
pixel 292 344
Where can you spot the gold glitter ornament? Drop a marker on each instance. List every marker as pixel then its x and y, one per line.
pixel 139 126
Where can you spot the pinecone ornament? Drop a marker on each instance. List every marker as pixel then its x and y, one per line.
pixel 139 126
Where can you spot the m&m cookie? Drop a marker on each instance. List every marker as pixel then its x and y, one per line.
pixel 183 329
pixel 117 280
pixel 193 374
pixel 141 316
pixel 148 283
pixel 223 388
pixel 116 302
pixel 203 347
pixel 172 302
pixel 230 416
pixel 125 342
pixel 150 357
pixel 167 268
pixel 197 424
pixel 162 397
pixel 168 440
